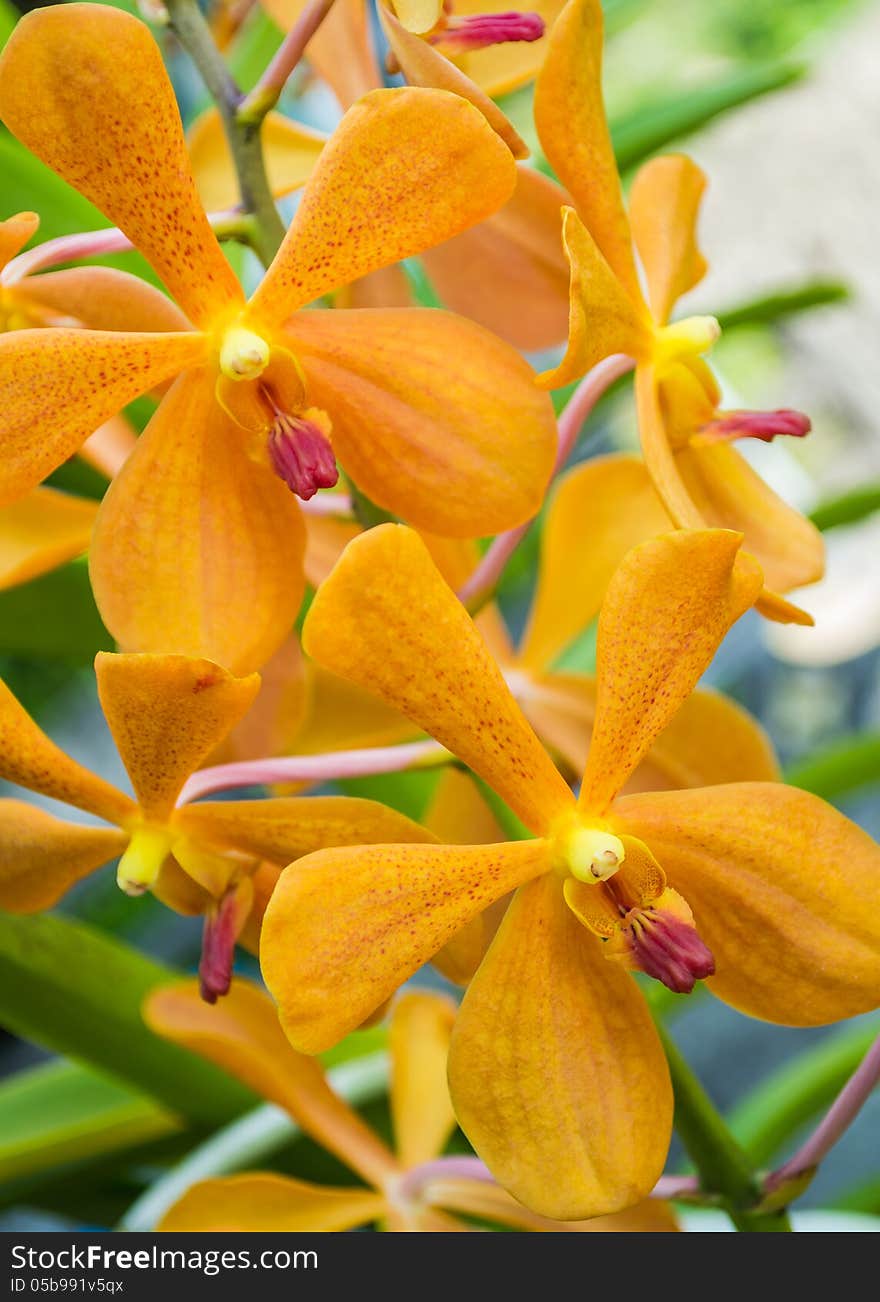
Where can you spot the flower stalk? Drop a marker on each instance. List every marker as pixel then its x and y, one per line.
pixel 267 92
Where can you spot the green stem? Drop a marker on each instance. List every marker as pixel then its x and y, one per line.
pixel 723 1167
pixel 193 32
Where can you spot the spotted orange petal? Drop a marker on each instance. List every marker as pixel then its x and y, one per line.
pixel 41 857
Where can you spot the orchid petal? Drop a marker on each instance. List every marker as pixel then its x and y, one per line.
pixel 378 195
pixel 385 619
pixel 60 385
pixel 364 919
pixel 15 233
pixel 167 713
pixel 85 88
pixel 664 204
pixel 783 890
pixel 41 857
pixel 290 150
pixel 433 418
pixel 266 1203
pixel 42 531
pixel 555 1066
pixel 688 588
pixel 197 548
pixel 421 1110
pixel 102 298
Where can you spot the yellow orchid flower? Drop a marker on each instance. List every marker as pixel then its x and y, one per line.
pixel 555 1062
pixel 46 527
pixel 685 441
pixel 486 272
pixel 198 543
pixel 406 1189
pixel 166 714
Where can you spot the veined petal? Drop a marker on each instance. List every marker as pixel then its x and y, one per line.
pixel 290 149
pixel 387 620
pixel 84 87
pixel 241 1033
pixel 15 233
pixel 556 1066
pixel 492 1203
pixel 421 1110
pixel 459 815
pixel 599 510
pixel 739 751
pixel 167 713
pixel 58 386
pixel 404 170
pixel 661 462
pixel 42 531
pixel 418 16
pixel 422 65
pixel 434 418
pixel 513 257
pixel 602 318
pixel 499 69
pixel 287 827
pixel 570 117
pixel 341 716
pixel 29 759
pixel 41 857
pixel 688 589
pixel 783 890
pixel 729 494
pixel 266 1203
pixel 102 298
pixel 197 548
pixel 664 204
pixel 364 919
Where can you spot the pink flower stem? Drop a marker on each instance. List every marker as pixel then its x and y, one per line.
pixel 838 1119
pixel 315 768
pixel 95 244
pixel 478 588
pixel 265 95
pixel 471 1168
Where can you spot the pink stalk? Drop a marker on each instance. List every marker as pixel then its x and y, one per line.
pixel 416 1180
pixel 836 1122
pixel 85 244
pixel 676 1186
pixel 314 768
pixel 267 91
pixel 485 578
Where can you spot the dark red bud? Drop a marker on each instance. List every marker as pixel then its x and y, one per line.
pixel 301 455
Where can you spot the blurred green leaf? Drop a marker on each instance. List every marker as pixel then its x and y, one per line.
pixel 842 767
pixel 78 992
pixel 789 1098
pixel 253 48
pixel 60 1112
pixel 772 308
pixel 849 508
pixel 53 617
pixel 653 126
pixel 8 18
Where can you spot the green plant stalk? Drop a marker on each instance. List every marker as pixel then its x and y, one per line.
pixel 723 1167
pixel 847 509
pixel 192 31
pixel 842 767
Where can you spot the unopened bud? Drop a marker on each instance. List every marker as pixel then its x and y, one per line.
pixel 301 454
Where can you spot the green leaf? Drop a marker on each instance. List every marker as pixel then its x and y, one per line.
pixel 851 507
pixel 8 18
pixel 59 1113
pixel 78 992
pixel 771 308
pixel 53 617
pixel 653 126
pixel 253 48
pixel 843 767
pixel 782 1103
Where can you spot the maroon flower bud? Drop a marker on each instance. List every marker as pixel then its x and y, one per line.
pixel 301 454
pixel 461 35
pixel 763 425
pixel 222 925
pixel 669 949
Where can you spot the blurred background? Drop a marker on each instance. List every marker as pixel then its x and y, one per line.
pixel 779 102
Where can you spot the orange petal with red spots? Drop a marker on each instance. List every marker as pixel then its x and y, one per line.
pixel 85 88
pixel 41 857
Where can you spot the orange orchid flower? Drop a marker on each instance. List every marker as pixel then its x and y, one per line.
pixel 406 1190
pixel 700 478
pixel 46 528
pixel 555 1063
pixel 486 272
pixel 166 714
pixel 198 543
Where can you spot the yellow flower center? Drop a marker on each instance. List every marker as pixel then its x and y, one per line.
pixel 591 854
pixel 684 339
pixel 148 849
pixel 244 355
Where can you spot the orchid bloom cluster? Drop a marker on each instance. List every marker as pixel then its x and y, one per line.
pixel 589 836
